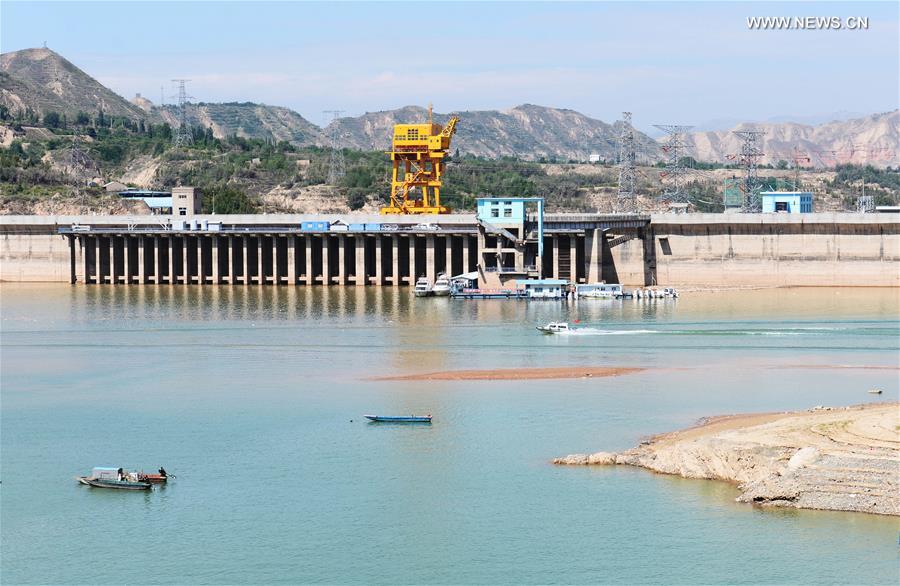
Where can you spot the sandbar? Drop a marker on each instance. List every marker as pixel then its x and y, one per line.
pixel 515 373
pixel 841 458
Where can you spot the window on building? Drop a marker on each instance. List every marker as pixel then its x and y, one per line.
pixel 507 213
pixel 781 206
pixel 495 213
pixel 182 211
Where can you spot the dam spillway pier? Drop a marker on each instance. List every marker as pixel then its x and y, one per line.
pixel 835 249
pixel 259 250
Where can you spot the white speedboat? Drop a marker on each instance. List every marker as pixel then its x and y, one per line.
pixel 441 286
pixel 556 327
pixel 423 287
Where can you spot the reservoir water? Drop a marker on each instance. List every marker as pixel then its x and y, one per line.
pixel 254 398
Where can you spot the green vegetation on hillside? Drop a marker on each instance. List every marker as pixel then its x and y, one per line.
pixel 237 172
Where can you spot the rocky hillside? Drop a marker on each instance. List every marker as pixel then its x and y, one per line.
pixel 529 132
pixel 42 80
pixel 871 140
pixel 249 120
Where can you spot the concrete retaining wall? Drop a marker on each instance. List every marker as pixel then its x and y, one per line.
pixel 34 258
pixel 767 250
pixel 715 250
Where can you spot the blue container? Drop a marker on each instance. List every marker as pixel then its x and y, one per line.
pixel 373 227
pixel 356 227
pixel 314 226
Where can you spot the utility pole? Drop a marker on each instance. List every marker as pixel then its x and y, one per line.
pixel 674 149
pixel 80 161
pixel 865 204
pixel 182 136
pixel 627 201
pixel 751 152
pixel 799 156
pixel 336 164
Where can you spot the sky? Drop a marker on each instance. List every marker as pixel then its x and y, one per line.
pixel 669 62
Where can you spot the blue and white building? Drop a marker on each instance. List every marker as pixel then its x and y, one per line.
pixel 788 202
pixel 545 288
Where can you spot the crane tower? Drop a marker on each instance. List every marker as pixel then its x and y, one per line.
pixel 417 155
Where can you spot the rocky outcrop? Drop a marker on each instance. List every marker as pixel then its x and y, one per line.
pixel 871 140
pixel 837 459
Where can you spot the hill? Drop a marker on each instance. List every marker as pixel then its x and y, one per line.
pixel 42 81
pixel 249 120
pixel 528 132
pixel 37 81
pixel 872 140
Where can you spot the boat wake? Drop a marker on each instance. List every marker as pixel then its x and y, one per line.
pixel 787 332
pixel 600 332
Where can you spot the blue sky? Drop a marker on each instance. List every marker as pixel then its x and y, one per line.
pixel 688 63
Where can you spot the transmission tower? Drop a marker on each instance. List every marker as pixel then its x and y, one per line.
pixel 675 171
pixel 182 136
pixel 751 152
pixel 627 201
pixel 81 164
pixel 865 204
pixel 797 158
pixel 336 165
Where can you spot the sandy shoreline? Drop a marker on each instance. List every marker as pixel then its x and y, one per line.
pixel 515 373
pixel 843 459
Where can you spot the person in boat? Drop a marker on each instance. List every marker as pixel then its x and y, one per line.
pixel 120 474
pixel 162 472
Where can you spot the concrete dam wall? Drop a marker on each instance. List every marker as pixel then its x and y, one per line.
pixel 765 250
pixel 714 250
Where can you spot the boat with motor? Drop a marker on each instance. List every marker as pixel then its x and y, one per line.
pixel 102 477
pixel 556 327
pixel 399 418
pixel 161 477
pixel 441 286
pixel 423 287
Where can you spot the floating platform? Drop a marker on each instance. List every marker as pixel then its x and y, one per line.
pixel 490 294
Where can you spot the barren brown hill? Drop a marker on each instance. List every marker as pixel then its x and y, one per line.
pixel 43 81
pixel 528 131
pixel 873 140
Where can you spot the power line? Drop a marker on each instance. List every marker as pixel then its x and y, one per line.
pixel 674 149
pixel 336 164
pixel 182 136
pixel 626 197
pixel 751 153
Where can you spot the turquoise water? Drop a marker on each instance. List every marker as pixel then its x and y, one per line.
pixel 253 398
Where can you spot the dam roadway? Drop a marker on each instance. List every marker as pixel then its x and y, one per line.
pixel 704 250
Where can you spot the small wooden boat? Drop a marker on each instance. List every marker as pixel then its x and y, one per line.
pixel 153 478
pixel 120 484
pixel 160 478
pixel 114 478
pixel 399 419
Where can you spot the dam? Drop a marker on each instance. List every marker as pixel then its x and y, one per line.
pixel 715 250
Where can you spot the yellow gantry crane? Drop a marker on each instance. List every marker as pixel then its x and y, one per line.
pixel 417 155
